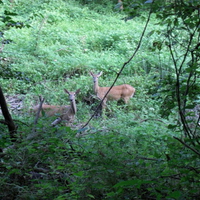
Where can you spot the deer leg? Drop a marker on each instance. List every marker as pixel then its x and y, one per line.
pixel 104 104
pixel 126 100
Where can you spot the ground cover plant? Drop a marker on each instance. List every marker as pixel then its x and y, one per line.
pixel 146 149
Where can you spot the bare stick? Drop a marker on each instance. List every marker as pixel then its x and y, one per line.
pixel 186 145
pixel 39 110
pixel 8 119
pixel 119 73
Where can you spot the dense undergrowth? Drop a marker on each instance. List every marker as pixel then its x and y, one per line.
pixel 130 152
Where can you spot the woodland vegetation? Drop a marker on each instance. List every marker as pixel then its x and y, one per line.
pixel 146 149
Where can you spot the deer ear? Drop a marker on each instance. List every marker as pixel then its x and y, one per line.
pixel 100 73
pixel 66 91
pixel 77 91
pixel 91 73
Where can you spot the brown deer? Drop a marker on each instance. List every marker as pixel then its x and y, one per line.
pixel 66 113
pixel 124 91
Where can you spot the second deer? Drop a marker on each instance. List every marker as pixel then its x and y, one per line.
pixel 65 113
pixel 124 91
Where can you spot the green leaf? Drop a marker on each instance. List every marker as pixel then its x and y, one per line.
pixel 14 171
pixel 80 174
pixel 171 126
pixel 60 167
pixel 175 195
pixel 91 196
pixel 127 183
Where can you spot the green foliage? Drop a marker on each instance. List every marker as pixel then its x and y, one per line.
pixel 135 151
pixel 102 164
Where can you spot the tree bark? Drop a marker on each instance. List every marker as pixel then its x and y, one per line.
pixel 7 117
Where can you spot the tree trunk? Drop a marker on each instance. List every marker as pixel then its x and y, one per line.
pixel 7 117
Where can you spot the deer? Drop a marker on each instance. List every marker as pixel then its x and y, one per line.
pixel 66 113
pixel 124 91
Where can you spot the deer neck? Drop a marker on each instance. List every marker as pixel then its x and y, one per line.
pixel 96 87
pixel 73 107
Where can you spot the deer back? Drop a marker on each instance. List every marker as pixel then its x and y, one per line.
pixel 121 91
pixel 116 92
pixel 51 110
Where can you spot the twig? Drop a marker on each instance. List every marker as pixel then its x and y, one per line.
pixel 8 118
pixel 144 158
pixel 38 34
pixel 39 110
pixel 173 176
pixel 159 120
pixel 2 47
pixel 186 145
pixel 119 73
pixel 3 122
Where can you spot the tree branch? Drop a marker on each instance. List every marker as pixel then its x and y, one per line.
pixel 119 73
pixel 186 145
pixel 8 119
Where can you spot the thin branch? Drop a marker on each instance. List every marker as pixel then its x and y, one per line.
pixel 181 102
pixel 186 145
pixel 8 118
pixel 3 122
pixel 144 158
pixel 159 120
pixel 38 34
pixel 173 176
pixel 39 110
pixel 124 65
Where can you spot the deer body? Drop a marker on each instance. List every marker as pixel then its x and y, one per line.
pixel 124 91
pixel 64 113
